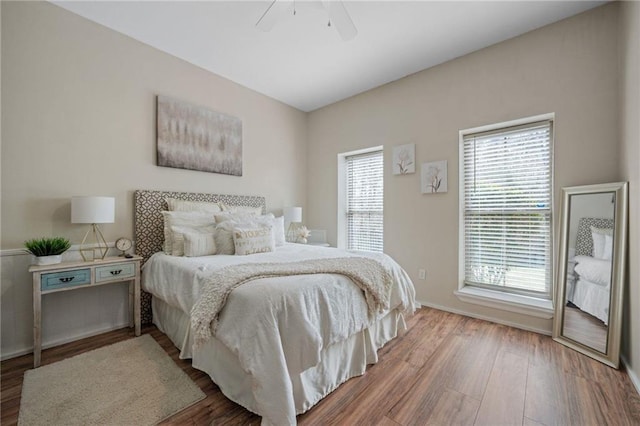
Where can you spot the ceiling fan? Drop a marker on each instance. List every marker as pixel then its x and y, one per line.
pixel 338 16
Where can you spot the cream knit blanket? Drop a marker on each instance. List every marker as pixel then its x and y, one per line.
pixel 369 275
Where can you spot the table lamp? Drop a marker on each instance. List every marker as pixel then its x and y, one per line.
pixel 292 219
pixel 93 210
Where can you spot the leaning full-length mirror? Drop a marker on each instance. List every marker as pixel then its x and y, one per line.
pixel 589 287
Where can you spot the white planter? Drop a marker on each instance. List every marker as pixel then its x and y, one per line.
pixel 48 260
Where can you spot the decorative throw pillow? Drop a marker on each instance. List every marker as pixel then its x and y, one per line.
pixel 251 239
pixel 178 236
pixel 240 216
pixel 193 219
pixel 608 247
pixel 192 206
pixel 199 244
pixel 254 211
pixel 224 238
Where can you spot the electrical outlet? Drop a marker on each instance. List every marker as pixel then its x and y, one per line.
pixel 422 274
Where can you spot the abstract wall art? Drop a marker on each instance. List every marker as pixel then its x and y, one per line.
pixel 196 138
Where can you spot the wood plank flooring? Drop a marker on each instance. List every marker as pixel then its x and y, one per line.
pixel 446 369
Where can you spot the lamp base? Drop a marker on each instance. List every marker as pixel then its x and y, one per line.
pixel 98 249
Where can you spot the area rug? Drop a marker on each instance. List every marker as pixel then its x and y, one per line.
pixel 133 382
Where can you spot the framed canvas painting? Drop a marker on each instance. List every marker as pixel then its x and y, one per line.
pixel 196 138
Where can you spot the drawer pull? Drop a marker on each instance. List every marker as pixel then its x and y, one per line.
pixel 66 279
pixel 116 272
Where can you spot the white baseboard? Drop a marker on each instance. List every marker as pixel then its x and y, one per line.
pixel 62 341
pixel 632 375
pixel 485 318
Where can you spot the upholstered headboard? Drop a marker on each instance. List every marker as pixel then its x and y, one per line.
pixel 149 223
pixel 584 240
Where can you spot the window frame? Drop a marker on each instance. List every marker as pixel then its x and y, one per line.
pixel 514 301
pixel 342 221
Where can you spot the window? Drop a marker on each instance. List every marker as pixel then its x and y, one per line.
pixel 361 189
pixel 506 204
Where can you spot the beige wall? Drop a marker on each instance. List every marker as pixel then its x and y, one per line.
pixel 630 162
pixel 78 106
pixel 568 68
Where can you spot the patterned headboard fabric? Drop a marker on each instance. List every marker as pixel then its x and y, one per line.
pixel 149 223
pixel 584 241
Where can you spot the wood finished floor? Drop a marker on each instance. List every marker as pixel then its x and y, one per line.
pixel 446 369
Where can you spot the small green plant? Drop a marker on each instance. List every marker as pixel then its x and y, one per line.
pixel 47 246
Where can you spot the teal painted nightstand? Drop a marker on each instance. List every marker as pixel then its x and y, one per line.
pixel 76 275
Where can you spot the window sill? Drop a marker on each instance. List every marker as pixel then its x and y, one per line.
pixel 526 305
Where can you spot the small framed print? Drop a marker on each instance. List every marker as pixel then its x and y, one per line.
pixel 404 159
pixel 434 177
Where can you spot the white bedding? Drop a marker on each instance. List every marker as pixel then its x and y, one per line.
pixel 591 287
pixel 277 327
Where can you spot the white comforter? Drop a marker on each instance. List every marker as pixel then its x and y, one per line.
pixel 277 327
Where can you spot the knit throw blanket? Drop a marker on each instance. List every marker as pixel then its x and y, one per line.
pixel 369 275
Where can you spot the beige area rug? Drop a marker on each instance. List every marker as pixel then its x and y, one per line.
pixel 133 382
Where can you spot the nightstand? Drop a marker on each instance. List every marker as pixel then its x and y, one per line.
pixel 69 276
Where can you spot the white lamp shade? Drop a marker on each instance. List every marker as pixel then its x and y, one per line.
pixel 93 209
pixel 292 214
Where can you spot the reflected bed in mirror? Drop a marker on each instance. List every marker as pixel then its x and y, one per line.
pixel 590 280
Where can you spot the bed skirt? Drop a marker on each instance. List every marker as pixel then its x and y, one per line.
pixel 340 361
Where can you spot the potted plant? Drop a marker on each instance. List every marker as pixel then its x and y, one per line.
pixel 48 251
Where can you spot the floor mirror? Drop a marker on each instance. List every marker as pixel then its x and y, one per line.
pixel 591 268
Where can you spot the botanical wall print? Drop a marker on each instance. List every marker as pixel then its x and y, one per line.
pixel 434 177
pixel 404 159
pixel 196 138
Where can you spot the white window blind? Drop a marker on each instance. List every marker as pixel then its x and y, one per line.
pixel 507 209
pixel 364 191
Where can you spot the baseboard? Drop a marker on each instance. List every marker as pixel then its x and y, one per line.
pixel 64 340
pixel 484 317
pixel 632 375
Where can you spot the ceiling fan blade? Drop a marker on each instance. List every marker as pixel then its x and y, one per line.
pixel 273 13
pixel 340 19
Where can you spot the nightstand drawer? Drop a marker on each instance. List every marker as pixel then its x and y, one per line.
pixel 112 272
pixel 64 279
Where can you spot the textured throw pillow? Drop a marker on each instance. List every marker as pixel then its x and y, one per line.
pixel 608 247
pixel 251 239
pixel 199 244
pixel 193 219
pixel 192 206
pixel 254 211
pixel 224 238
pixel 178 236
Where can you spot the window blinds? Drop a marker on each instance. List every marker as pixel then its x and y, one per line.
pixel 507 209
pixel 365 190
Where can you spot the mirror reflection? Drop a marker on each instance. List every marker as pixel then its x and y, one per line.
pixel 589 260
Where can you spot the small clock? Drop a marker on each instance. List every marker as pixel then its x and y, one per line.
pixel 123 244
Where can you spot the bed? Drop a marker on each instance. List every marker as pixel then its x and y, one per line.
pixel 590 281
pixel 280 343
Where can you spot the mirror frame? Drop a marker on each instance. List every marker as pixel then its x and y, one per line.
pixel 612 356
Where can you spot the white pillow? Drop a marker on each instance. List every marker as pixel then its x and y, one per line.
pixel 252 239
pixel 199 244
pixel 255 211
pixel 192 206
pixel 608 247
pixel 597 271
pixel 240 216
pixel 277 224
pixel 599 243
pixel 178 236
pixel 193 219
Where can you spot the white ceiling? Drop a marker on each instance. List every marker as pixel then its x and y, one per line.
pixel 304 63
